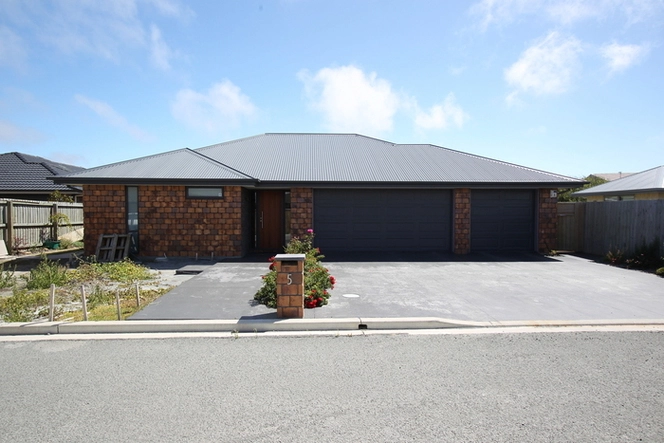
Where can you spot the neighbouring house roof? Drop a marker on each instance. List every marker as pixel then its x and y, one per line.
pixel 320 160
pixel 651 180
pixel 26 174
pixel 610 176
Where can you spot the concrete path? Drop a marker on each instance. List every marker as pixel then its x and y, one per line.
pixel 479 288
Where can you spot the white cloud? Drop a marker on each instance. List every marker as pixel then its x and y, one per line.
pixel 547 67
pixel 350 100
pixel 12 50
pixel 173 9
pixel 441 116
pixel 566 12
pixel 621 57
pixel 161 54
pixel 12 134
pixel 107 29
pixel 219 108
pixel 113 118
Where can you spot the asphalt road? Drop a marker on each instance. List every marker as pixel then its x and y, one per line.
pixel 553 387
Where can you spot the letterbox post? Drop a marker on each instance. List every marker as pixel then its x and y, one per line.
pixel 290 285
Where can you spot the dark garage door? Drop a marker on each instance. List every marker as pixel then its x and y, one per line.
pixel 502 220
pixel 382 220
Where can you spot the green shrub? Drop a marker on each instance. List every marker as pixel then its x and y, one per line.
pixel 615 257
pixel 660 272
pixel 646 256
pixel 7 278
pixel 46 273
pixel 65 243
pixel 317 279
pixel 23 305
pixel 124 271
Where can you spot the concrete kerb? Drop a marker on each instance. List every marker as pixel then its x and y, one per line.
pixel 290 325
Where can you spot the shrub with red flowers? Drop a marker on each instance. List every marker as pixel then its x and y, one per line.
pixel 317 278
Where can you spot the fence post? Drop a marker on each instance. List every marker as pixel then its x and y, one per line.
pixel 55 225
pixel 85 303
pixel 117 303
pixel 10 227
pixel 51 303
pixel 138 295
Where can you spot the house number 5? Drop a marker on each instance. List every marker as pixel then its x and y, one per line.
pixel 290 280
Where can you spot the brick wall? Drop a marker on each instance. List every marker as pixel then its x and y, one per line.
pixel 461 228
pixel 302 211
pixel 169 223
pixel 547 220
pixel 104 212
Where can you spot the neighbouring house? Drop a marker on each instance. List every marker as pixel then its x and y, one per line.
pixel 646 185
pixel 358 194
pixel 610 176
pixel 27 177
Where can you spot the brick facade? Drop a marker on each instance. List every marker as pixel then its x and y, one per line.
pixel 104 212
pixel 169 223
pixel 302 211
pixel 547 220
pixel 461 222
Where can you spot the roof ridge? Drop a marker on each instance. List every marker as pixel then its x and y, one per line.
pixel 205 157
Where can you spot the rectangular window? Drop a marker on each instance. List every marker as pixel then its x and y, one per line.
pixel 205 192
pixel 132 216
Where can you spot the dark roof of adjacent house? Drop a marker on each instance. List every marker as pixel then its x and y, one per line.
pixel 23 173
pixel 320 160
pixel 651 180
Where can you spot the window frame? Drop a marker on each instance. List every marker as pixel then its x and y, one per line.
pixel 205 197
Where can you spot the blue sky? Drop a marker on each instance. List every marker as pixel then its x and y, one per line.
pixel 567 86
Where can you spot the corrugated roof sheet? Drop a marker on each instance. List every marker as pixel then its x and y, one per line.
pixel 324 158
pixel 356 158
pixel 183 164
pixel 650 180
pixel 22 173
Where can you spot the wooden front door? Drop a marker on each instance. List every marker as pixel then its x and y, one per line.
pixel 270 220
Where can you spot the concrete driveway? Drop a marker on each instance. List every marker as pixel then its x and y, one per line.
pixel 485 287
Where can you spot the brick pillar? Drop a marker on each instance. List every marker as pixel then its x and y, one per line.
pixel 547 220
pixel 290 285
pixel 461 228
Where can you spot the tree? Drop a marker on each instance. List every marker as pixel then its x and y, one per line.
pixel 566 195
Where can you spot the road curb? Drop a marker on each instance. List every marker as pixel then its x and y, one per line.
pixel 293 325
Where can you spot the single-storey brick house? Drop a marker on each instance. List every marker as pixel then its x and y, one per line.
pixel 358 194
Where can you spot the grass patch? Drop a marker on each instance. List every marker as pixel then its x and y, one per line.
pixel 105 309
pixel 100 280
pixel 7 277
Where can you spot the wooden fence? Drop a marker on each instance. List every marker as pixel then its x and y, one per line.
pixel 599 227
pixel 25 224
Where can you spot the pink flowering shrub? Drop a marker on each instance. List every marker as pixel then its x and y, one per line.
pixel 317 279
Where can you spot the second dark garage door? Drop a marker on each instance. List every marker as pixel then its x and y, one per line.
pixel 502 220
pixel 382 220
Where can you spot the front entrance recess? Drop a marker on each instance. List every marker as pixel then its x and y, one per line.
pixel 269 220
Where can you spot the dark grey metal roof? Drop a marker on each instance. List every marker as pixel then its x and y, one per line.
pixel 326 159
pixel 25 173
pixel 651 180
